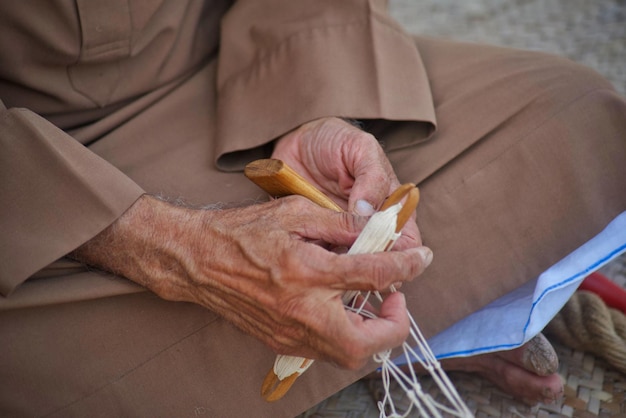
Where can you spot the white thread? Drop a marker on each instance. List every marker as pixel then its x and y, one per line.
pixel 285 366
pixel 379 235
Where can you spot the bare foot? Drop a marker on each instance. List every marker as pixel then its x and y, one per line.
pixel 527 373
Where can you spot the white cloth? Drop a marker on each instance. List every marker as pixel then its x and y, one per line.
pixel 518 316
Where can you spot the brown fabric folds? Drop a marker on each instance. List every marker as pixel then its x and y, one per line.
pixel 57 195
pixel 304 61
pixel 66 59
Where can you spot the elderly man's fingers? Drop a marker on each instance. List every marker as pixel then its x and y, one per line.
pixel 371 336
pixel 370 271
pixel 312 222
pixel 392 327
pixel 410 237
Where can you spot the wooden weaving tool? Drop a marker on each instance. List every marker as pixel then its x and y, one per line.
pixel 278 179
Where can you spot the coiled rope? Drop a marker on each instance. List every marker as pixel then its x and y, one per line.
pixel 586 323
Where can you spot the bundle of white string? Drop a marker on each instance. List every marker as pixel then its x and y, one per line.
pixel 379 235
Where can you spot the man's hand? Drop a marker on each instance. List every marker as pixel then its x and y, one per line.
pixel 267 268
pixel 345 163
pixel 260 269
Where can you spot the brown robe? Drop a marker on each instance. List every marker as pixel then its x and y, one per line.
pixel 105 100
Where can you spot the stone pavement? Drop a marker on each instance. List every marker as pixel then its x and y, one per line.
pixel 592 33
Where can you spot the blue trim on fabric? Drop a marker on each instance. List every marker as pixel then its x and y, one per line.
pixel 585 272
pixel 611 235
pixel 570 279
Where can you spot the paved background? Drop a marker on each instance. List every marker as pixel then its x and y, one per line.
pixel 590 32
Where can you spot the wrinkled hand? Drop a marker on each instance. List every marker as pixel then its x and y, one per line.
pixel 345 163
pixel 259 268
pixel 266 268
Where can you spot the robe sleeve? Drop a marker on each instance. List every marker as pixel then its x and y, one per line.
pixel 56 195
pixel 283 63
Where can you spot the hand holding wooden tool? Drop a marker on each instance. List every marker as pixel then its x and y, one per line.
pixel 278 179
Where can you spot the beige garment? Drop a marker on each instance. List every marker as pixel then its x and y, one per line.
pixel 526 164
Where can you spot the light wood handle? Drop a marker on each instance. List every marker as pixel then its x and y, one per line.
pixel 278 180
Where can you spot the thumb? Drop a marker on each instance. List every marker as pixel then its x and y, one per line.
pixel 369 191
pixel 363 208
pixel 374 179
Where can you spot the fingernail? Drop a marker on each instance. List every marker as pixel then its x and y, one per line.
pixel 363 208
pixel 547 392
pixel 426 254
